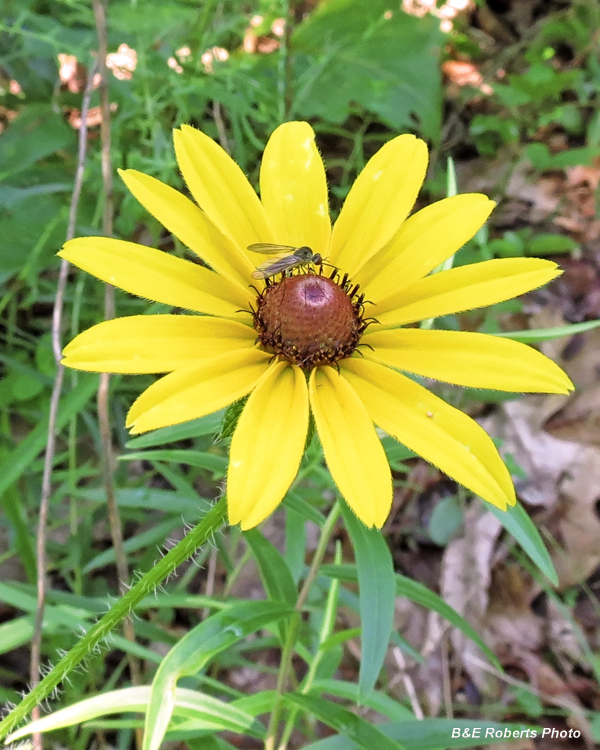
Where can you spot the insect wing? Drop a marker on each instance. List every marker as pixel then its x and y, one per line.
pixel 268 248
pixel 272 268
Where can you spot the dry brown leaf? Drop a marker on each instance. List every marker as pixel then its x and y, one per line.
pixel 542 193
pixel 479 176
pixel 543 457
pixel 579 213
pixel 511 625
pixel 555 691
pixel 579 526
pixel 563 640
pixel 465 580
pixel 579 419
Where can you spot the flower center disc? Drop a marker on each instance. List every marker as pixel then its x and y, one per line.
pixel 309 320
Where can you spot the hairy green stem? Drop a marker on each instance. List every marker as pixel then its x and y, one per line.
pixel 292 631
pixel 185 549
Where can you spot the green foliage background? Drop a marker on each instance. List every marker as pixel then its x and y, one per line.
pixel 360 78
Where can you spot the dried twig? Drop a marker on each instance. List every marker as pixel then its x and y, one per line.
pixel 408 683
pixel 221 130
pixel 36 645
pixel 447 682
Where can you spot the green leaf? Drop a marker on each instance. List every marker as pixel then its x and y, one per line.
pixel 194 651
pixel 379 702
pixel 15 515
pixel 433 734
pixel 200 459
pixel 20 459
pixel 548 244
pixel 377 593
pixel 157 533
pixel 538 154
pixel 38 132
pixel 516 521
pixel 338 638
pixel 294 501
pixel 95 634
pixel 419 594
pixel 446 519
pixel 15 633
pixel 295 542
pixel 231 417
pixel 343 721
pixel 195 428
pixel 594 719
pixel 207 712
pixel 541 158
pixel 166 501
pixel 574 157
pixel 593 130
pixel 534 335
pixel 355 55
pixel 274 572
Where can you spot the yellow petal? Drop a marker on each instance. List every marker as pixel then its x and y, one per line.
pixel 267 445
pixel 155 275
pixel 189 224
pixel 221 189
pixel 378 202
pixel 293 188
pixel 424 241
pixel 353 452
pixel 439 433
pixel 464 288
pixel 471 359
pixel 155 343
pixel 197 390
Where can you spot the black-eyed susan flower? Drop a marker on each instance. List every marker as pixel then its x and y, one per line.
pixel 327 339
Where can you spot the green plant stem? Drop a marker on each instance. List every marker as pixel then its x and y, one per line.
pixel 326 630
pixel 185 549
pixel 292 631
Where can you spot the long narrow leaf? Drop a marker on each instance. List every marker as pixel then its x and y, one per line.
pixel 16 462
pixel 516 521
pixel 377 593
pixel 209 713
pixel 203 426
pixel 194 651
pixel 200 459
pixel 419 594
pixel 532 336
pixel 364 734
pixel 274 572
pixel 433 734
pixel 379 702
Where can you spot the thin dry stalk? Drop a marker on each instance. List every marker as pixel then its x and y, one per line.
pixel 408 683
pixel 57 313
pixel 109 312
pixel 221 129
pixel 447 682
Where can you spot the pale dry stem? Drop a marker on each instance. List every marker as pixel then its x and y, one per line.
pixel 109 312
pixel 57 313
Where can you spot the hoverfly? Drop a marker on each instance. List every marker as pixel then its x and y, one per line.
pixel 296 257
